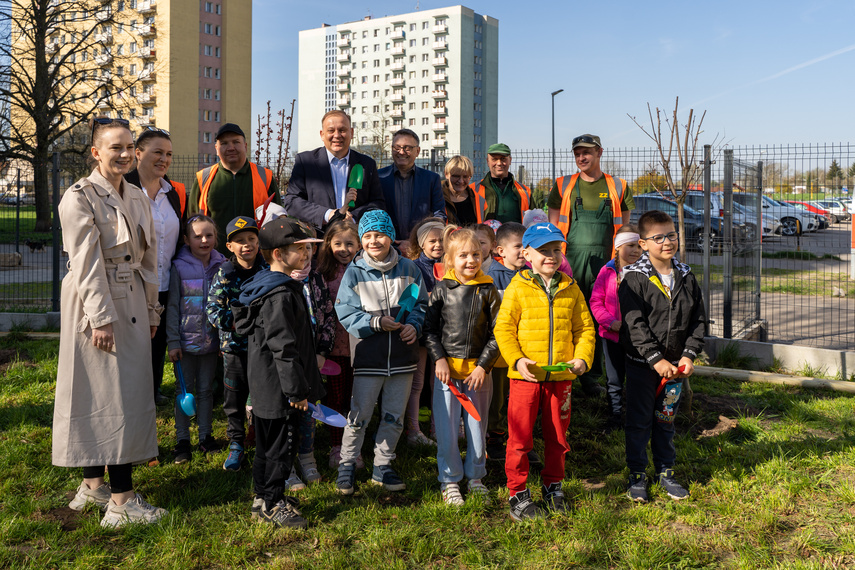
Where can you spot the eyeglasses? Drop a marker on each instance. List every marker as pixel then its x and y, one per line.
pixel 585 139
pixel 406 149
pixel 660 238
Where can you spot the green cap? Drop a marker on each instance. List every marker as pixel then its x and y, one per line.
pixel 590 141
pixel 499 148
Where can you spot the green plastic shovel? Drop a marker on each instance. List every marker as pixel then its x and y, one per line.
pixel 558 366
pixel 355 181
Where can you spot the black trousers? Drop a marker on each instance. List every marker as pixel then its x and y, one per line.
pixel 120 476
pixel 235 394
pixel 275 449
pixel 158 345
pixel 615 373
pixel 642 425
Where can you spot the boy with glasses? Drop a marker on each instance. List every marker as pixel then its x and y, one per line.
pixel 663 332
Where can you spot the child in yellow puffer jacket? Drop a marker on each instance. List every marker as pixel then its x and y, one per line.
pixel 543 321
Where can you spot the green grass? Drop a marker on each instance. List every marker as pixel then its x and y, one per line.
pixel 8 216
pixel 799 255
pixel 731 357
pixel 777 490
pixel 778 280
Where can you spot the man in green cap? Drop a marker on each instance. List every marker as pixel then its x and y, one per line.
pixel 589 207
pixel 498 196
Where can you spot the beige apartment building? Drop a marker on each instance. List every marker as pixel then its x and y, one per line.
pixel 187 65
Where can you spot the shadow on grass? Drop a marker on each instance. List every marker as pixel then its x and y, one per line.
pixel 32 414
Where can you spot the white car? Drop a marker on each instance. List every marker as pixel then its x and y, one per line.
pixel 741 214
pixel 793 220
pixel 839 212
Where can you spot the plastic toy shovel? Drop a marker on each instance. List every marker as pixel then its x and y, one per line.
pixel 464 401
pixel 407 300
pixel 327 415
pixel 680 370
pixel 185 401
pixel 330 368
pixel 558 367
pixel 355 181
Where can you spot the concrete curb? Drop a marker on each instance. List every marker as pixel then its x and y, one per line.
pixel 772 378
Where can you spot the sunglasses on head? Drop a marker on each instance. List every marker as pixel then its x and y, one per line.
pixel 101 121
pixel 585 139
pixel 156 130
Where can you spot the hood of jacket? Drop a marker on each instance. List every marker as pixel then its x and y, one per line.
pixel 260 284
pixel 479 278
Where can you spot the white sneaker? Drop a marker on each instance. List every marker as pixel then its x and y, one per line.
pixel 309 467
pixel 476 487
pixel 451 494
pixel 99 497
pixel 136 510
pixel 418 438
pixel 294 483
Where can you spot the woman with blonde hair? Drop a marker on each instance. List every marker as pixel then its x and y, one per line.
pixel 459 197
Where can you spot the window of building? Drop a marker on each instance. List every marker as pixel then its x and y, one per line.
pixel 388 30
pixel 376 63
pixel 364 65
pixel 206 137
pixel 477 44
pixel 376 93
pixel 477 91
pixel 217 52
pixel 412 59
pixel 425 88
pixel 364 34
pixel 209 7
pixel 477 76
pixel 375 33
pixel 207 50
pixel 133 47
pixel 219 9
pixel 209 28
pixel 217 73
pixel 376 47
pixel 119 7
pixel 425 25
pixel 412 90
pixel 425 72
pixel 478 28
pixel 120 49
pixel 218 30
pixel 217 95
pixel 425 57
pixel 364 49
pixel 412 43
pixel 476 107
pixel 132 68
pixel 477 122
pixel 120 71
pixel 376 78
pixel 425 120
pixel 412 107
pixel 477 60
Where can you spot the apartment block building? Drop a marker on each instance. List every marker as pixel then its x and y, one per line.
pixel 185 65
pixel 432 71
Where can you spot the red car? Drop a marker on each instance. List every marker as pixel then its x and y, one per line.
pixel 811 208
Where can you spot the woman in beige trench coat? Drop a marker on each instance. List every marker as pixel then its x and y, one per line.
pixel 104 414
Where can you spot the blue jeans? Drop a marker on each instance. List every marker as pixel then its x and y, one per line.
pixel 447 412
pixel 199 372
pixel 641 425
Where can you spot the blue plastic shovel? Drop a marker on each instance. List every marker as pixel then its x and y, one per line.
pixel 407 300
pixel 327 415
pixel 185 401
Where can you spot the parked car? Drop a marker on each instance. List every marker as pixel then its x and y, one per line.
pixel 823 215
pixel 838 210
pixel 793 220
pixel 741 215
pixel 693 220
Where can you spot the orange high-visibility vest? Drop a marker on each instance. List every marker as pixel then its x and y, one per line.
pixel 182 194
pixel 481 199
pixel 261 180
pixel 566 184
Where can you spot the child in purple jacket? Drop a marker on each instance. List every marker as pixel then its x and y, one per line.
pixel 606 311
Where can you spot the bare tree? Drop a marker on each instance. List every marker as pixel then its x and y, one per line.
pixel 682 140
pixel 275 151
pixel 56 67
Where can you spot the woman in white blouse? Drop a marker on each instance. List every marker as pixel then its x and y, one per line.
pixel 154 156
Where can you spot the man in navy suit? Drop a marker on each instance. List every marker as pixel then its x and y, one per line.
pixel 318 191
pixel 411 193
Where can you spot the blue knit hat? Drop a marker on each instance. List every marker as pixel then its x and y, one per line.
pixel 376 221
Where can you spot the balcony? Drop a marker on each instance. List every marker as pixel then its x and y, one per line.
pixel 397 82
pixel 397 98
pixel 440 111
pixel 343 42
pixel 441 94
pixel 147 75
pixel 439 78
pixel 440 62
pixel 399 50
pixel 104 37
pixel 343 87
pixel 145 98
pixel 398 35
pixel 103 59
pixel 440 127
pixel 343 102
pixel 146 6
pixel 343 72
pixel 51 48
pixel 397 113
pixel 104 80
pixel 103 15
pixel 343 58
pixel 146 52
pixel 440 29
pixel 146 30
pixel 438 143
pixel 398 65
pixel 439 46
pixel 145 121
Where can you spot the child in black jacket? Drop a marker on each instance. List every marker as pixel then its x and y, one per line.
pixel 283 370
pixel 663 332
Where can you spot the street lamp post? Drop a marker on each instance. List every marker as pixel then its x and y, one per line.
pixel 554 93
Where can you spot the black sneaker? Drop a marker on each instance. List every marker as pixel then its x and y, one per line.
pixel 637 488
pixel 523 508
pixel 386 476
pixel 534 459
pixel 182 452
pixel 284 515
pixel 209 444
pixel 553 496
pixel 674 489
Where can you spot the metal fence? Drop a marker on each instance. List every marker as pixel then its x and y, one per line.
pixel 791 287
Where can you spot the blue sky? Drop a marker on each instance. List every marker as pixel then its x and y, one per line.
pixel 765 72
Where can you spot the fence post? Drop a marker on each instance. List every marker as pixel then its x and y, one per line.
pixel 707 245
pixel 56 229
pixel 758 265
pixel 18 215
pixel 727 246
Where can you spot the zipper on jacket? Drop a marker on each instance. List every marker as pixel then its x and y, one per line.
pixel 549 299
pixel 389 333
pixel 470 322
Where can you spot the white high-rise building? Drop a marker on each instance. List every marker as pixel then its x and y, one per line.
pixel 433 71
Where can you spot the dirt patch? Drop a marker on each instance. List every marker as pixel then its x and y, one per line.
pixel 8 357
pixel 593 484
pixel 67 518
pixel 722 405
pixel 724 425
pixel 395 500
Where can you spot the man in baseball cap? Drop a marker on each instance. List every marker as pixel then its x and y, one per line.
pixel 498 196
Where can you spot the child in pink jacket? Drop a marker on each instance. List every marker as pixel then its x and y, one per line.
pixel 606 311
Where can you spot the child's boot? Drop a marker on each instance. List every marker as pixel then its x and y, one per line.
pixel 523 508
pixel 553 496
pixel 294 483
pixel 309 468
pixel 674 489
pixel 637 488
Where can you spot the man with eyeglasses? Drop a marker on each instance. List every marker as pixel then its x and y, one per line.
pixel 411 193
pixel 588 207
pixel 233 187
pixel 498 196
pixel 320 190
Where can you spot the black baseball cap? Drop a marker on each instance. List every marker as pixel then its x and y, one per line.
pixel 230 128
pixel 283 231
pixel 240 224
